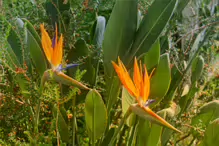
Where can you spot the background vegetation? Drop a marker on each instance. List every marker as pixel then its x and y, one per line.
pixel 177 37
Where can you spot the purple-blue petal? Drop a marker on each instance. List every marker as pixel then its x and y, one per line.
pixel 149 101
pixel 68 66
pixel 54 41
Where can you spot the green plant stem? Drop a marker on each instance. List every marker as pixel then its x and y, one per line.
pixel 73 121
pixel 120 127
pixel 57 129
pixel 37 115
pixel 122 134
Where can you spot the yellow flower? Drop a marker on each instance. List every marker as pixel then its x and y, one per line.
pixel 139 88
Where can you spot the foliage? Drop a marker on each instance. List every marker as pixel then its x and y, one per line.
pixel 177 40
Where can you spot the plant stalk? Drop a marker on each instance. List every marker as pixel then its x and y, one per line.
pixel 120 127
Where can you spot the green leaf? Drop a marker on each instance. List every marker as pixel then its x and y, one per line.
pixel 208 112
pixel 34 48
pixel 186 101
pixel 26 54
pixel 12 62
pixel 113 89
pixel 181 5
pixel 152 25
pixel 95 115
pixel 108 137
pixel 127 100
pixel 178 77
pixel 197 68
pixel 160 81
pixel 143 132
pixel 211 137
pixel 15 42
pixel 155 134
pixel 152 57
pixel 120 32
pixel 81 51
pixel 166 135
pixel 11 58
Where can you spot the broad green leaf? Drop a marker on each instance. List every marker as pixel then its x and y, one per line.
pixel 211 136
pixel 26 54
pixel 34 48
pixel 81 51
pixel 166 135
pixel 10 58
pixel 108 137
pixel 170 113
pixel 120 32
pixel 152 57
pixel 95 115
pixel 15 42
pixel 113 89
pixel 127 100
pixel 11 61
pixel 32 30
pixel 36 54
pixel 143 132
pixel 160 81
pixel 155 134
pixel 152 25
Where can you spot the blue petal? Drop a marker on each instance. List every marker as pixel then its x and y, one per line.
pixel 54 41
pixel 60 68
pixel 149 101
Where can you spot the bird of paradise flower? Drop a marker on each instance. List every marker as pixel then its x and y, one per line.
pixel 53 50
pixel 140 89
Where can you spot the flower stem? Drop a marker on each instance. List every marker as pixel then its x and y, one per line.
pixel 128 112
pixel 73 121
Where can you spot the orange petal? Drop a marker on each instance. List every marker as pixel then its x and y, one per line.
pixel 158 118
pixel 46 43
pixel 145 90
pixel 57 53
pixel 124 77
pixel 137 77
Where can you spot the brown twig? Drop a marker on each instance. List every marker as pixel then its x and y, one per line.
pixel 182 138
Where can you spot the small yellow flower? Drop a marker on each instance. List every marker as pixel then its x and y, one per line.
pixel 139 88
